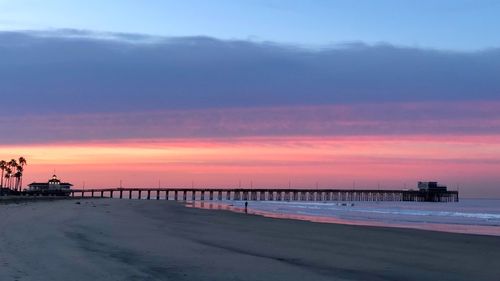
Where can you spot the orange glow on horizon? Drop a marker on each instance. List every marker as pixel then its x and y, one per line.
pixel 267 161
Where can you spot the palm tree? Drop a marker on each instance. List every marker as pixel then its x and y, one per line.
pixel 18 175
pixel 7 176
pixel 13 165
pixel 3 166
pixel 22 162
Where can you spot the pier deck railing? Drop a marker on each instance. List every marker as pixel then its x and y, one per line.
pixel 264 194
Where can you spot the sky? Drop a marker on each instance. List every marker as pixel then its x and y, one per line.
pixel 264 93
pixel 444 24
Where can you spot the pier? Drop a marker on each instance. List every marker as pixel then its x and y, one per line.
pixel 259 194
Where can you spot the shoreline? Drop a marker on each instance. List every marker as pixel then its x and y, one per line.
pixel 488 230
pixel 112 239
pixel 435 227
pixel 229 207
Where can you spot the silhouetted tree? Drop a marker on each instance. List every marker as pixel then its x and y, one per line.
pixel 13 166
pixel 18 175
pixel 3 166
pixel 22 162
pixel 8 173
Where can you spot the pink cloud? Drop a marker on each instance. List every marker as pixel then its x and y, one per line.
pixel 400 119
pixel 272 161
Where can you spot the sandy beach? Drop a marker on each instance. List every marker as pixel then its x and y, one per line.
pixel 111 239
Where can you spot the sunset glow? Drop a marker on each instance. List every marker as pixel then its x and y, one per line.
pixel 303 162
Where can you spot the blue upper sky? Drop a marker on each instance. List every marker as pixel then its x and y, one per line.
pixel 442 24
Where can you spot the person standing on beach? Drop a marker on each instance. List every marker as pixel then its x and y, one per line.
pixel 246 207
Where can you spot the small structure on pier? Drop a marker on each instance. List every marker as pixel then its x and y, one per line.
pixel 53 186
pixel 431 186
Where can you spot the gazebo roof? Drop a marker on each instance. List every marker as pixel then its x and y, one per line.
pixel 54 179
pixel 46 183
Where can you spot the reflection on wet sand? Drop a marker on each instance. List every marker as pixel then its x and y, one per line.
pixel 230 207
pixel 453 228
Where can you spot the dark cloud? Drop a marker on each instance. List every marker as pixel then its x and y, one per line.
pixel 71 85
pixel 76 72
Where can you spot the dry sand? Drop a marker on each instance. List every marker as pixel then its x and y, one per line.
pixel 111 239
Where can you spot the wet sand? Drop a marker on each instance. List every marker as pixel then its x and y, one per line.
pixel 111 239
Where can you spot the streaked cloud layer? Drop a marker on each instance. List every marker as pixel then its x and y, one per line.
pixel 375 119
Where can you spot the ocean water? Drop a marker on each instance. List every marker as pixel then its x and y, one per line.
pixel 474 216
